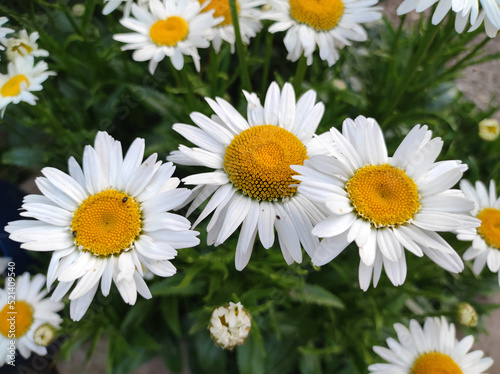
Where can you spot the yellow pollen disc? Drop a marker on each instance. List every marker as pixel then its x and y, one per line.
pixel 221 8
pixel 13 86
pixel 490 226
pixel 383 195
pixel 20 324
pixel 321 15
pixel 435 363
pixel 106 223
pixel 170 31
pixel 18 49
pixel 258 162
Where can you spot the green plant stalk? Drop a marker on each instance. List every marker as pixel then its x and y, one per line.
pixel 411 68
pixel 267 61
pixel 299 74
pixel 240 48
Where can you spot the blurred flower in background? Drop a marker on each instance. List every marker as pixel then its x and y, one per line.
pixel 23 45
pixel 489 129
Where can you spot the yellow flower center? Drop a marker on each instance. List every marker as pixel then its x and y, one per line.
pixel 21 48
pixel 106 223
pixel 16 319
pixel 170 31
pixel 221 8
pixel 490 226
pixel 321 15
pixel 435 363
pixel 13 86
pixel 258 162
pixel 383 195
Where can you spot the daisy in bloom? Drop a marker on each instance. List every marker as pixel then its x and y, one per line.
pixel 383 203
pixel 4 30
pixel 106 221
pixel 431 349
pixel 329 24
pixel 112 5
pixel 23 45
pixel 173 28
pixel 485 249
pixel 249 15
pixel 466 10
pixel 31 310
pixel 490 15
pixel 252 177
pixel 22 77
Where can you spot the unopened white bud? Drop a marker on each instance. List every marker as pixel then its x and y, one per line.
pixel 230 325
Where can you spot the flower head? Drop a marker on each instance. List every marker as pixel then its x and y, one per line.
pixel 4 30
pixel 249 15
pixel 23 45
pixel 105 222
pixel 467 315
pixel 489 129
pixel 383 203
pixel 32 310
pixel 173 28
pixel 22 77
pixel 230 325
pixel 431 349
pixel 329 24
pixel 112 5
pixel 485 248
pixel 252 184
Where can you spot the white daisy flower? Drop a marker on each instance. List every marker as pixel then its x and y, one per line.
pixel 385 203
pixel 22 77
pixel 30 311
pixel 252 177
pixel 485 248
pixel 112 5
pixel 431 349
pixel 329 24
pixel 106 221
pixel 230 325
pixel 249 15
pixel 173 28
pixel 4 30
pixel 490 15
pixel 23 45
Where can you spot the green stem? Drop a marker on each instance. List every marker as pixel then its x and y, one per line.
pixel 267 60
pixel 189 88
pixel 299 74
pixel 411 69
pixel 240 48
pixel 398 35
pixel 214 70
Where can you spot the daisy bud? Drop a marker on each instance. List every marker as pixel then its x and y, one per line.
pixel 230 325
pixel 467 315
pixel 78 10
pixel 44 334
pixel 489 129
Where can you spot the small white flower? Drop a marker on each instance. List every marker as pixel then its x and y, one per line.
pixel 230 325
pixel 485 248
pixel 489 129
pixel 112 5
pixel 104 222
pixel 432 349
pixel 22 77
pixel 173 29
pixel 249 15
pixel 4 30
pixel 385 204
pixel 23 45
pixel 32 311
pixel 329 24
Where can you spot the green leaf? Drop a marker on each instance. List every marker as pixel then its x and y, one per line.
pixel 251 355
pixel 314 294
pixel 24 156
pixel 170 312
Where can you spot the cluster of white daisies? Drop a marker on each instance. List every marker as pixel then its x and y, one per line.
pixel 23 75
pixel 110 221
